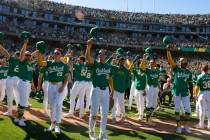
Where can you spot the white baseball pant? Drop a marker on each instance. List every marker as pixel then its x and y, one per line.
pixel 204 104
pixel 140 99
pixel 77 89
pixel 152 96
pixel 2 89
pixel 11 91
pixel 132 90
pixel 87 92
pixel 45 90
pixel 24 90
pixel 55 100
pixel 185 101
pixel 99 98
pixel 118 104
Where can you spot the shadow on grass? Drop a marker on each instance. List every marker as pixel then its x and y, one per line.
pixel 35 130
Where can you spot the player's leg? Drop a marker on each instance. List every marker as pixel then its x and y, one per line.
pixel 81 101
pixel 87 94
pixel 149 102
pixel 202 105
pixel 9 93
pixel 59 104
pixel 95 102
pixel 15 90
pixel 177 103
pixel 104 113
pixel 45 100
pixel 132 90
pixel 114 108
pixel 187 108
pixel 2 89
pixel 75 91
pixel 51 100
pixel 121 104
pixel 137 96
pixel 208 107
pixel 141 105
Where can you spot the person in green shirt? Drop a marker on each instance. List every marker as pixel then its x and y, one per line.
pixel 100 93
pixel 140 85
pixel 3 77
pixel 202 87
pixel 12 78
pixel 121 81
pixel 81 74
pixel 152 88
pixel 58 74
pixel 24 84
pixel 181 79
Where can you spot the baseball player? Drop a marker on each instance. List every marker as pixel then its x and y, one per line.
pixel 152 88
pixel 3 77
pixel 24 84
pixel 203 88
pixel 121 81
pixel 57 89
pixel 181 78
pixel 100 92
pixel 140 85
pixel 12 78
pixel 80 73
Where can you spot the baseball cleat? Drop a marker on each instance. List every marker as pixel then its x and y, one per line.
pixel 21 122
pixel 92 136
pixel 103 137
pixel 57 130
pixel 187 129
pixel 52 127
pixel 179 130
pixel 199 126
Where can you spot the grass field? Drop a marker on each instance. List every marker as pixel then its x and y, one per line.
pixel 36 129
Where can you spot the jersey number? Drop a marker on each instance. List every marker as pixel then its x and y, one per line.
pixel 206 84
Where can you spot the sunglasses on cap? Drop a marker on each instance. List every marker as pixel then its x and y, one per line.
pixel 57 53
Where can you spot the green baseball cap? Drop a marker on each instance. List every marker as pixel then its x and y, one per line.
pixel 166 40
pixel 119 51
pixel 25 35
pixel 93 32
pixel 41 46
pixel 69 46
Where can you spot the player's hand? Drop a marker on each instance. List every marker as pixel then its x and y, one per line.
pixel 61 89
pixel 90 42
pixel 144 56
pixel 168 48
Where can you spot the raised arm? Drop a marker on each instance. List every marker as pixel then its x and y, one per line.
pixel 4 52
pixel 170 59
pixel 23 50
pixel 41 61
pixel 87 52
pixel 142 65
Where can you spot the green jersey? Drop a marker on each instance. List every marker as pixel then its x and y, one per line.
pixel 139 79
pixel 26 71
pixel 13 68
pixel 203 81
pixel 121 79
pixel 101 73
pixel 86 73
pixel 56 71
pixel 181 77
pixel 152 76
pixel 3 72
pixel 44 71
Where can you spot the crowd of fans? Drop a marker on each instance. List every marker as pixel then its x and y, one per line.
pixel 104 37
pixel 63 9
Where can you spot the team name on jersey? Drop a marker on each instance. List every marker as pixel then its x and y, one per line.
pixel 154 76
pixel 102 71
pixel 183 75
pixel 55 69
